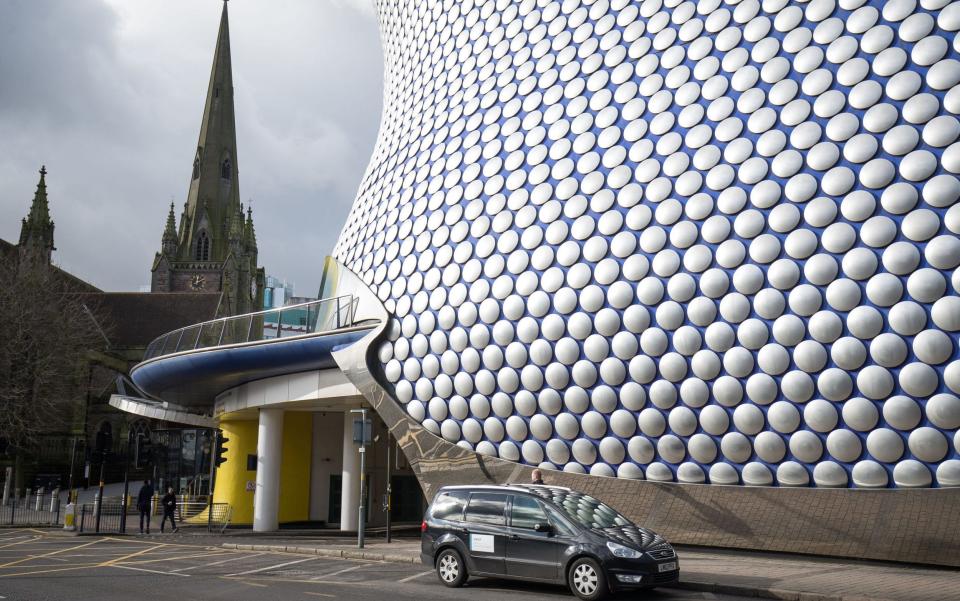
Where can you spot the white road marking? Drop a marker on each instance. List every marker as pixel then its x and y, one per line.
pixel 343 571
pixel 409 578
pixel 124 567
pixel 280 565
pixel 216 563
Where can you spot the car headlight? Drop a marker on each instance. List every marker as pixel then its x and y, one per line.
pixel 625 552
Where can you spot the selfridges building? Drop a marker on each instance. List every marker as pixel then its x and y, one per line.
pixel 674 242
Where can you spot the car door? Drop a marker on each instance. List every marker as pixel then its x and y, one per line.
pixel 486 531
pixel 532 553
pixel 446 514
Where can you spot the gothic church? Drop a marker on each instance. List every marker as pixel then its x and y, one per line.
pixel 206 269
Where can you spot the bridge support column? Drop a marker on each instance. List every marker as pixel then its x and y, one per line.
pixel 266 499
pixel 350 478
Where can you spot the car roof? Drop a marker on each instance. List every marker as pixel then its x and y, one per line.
pixel 527 488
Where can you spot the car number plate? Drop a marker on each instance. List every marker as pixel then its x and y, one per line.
pixel 667 567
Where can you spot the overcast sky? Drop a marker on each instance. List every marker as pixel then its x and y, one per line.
pixel 108 94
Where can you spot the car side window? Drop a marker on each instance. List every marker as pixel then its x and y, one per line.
pixel 527 513
pixel 558 522
pixel 449 506
pixel 487 508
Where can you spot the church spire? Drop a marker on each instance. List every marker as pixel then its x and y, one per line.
pixel 214 187
pixel 170 233
pixel 236 230
pixel 215 247
pixel 250 235
pixel 36 231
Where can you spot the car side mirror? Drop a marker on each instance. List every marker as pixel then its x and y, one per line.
pixel 543 527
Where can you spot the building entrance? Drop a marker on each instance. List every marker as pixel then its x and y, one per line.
pixel 315 472
pixel 406 500
pixel 336 482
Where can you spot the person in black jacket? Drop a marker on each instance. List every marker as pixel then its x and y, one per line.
pixel 169 503
pixel 143 504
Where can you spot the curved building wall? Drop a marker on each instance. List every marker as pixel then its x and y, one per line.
pixel 681 241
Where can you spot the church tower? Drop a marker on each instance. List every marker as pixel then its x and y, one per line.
pixel 206 254
pixel 36 230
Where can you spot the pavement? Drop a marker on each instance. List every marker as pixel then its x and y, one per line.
pixel 39 566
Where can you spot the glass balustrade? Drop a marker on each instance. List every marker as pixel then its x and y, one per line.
pixel 327 314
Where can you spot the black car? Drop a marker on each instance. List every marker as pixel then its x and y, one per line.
pixel 543 534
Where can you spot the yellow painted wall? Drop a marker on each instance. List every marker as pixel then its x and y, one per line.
pixel 233 475
pixel 295 468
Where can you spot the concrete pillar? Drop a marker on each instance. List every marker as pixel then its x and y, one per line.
pixel 350 479
pixel 266 499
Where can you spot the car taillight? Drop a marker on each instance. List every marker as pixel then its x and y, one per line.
pixel 423 526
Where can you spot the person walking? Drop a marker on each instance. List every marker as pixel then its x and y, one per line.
pixel 169 503
pixel 143 504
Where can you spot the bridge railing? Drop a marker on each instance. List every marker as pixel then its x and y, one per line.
pixel 325 314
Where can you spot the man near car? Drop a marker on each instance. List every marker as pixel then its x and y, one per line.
pixel 536 477
pixel 169 503
pixel 144 497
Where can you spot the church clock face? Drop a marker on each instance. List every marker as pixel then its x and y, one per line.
pixel 198 282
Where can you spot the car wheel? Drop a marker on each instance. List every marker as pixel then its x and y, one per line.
pixel 586 580
pixel 450 568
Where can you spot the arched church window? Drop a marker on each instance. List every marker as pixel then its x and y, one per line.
pixel 140 428
pixel 196 168
pixel 226 169
pixel 203 247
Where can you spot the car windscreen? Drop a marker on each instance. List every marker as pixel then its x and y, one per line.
pixel 585 510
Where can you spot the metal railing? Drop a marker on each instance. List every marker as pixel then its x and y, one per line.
pixel 108 516
pixel 113 516
pixel 35 511
pixel 325 314
pixel 219 518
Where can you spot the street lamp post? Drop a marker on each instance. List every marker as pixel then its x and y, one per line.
pixel 103 460
pixel 389 503
pixel 126 485
pixel 73 458
pixel 363 477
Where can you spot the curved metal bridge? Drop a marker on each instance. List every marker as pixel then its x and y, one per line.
pixel 187 368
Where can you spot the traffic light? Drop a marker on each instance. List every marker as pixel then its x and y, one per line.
pixel 219 456
pixel 142 451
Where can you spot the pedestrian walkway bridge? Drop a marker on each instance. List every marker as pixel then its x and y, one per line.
pixel 188 367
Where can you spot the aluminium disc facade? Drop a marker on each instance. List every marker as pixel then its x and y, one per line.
pixel 709 241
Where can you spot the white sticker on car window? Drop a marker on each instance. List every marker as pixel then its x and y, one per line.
pixel 481 543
